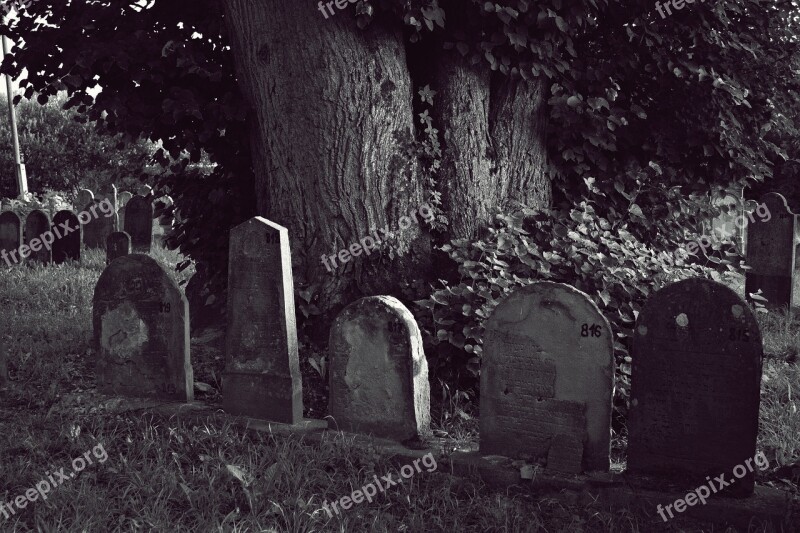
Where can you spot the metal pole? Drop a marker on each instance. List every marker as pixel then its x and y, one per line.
pixel 22 179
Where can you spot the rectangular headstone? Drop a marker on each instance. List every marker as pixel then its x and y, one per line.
pixel 67 245
pixel 118 244
pixel 695 381
pixel 141 331
pixel 771 252
pixel 139 223
pixel 547 379
pixel 262 375
pixel 378 372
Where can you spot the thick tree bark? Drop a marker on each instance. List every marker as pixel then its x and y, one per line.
pixel 494 149
pixel 328 100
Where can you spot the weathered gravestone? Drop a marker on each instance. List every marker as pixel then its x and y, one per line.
pixel 378 372
pixel 67 230
pixel 695 385
pixel 118 244
pixel 85 197
pixel 145 190
pixel 771 252
pixel 10 237
pixel 97 224
pixel 37 224
pixel 139 223
pixel 122 200
pixel 547 379
pixel 141 331
pixel 262 375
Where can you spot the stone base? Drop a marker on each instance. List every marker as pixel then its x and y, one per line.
pixel 262 396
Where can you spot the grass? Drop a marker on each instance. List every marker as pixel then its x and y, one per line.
pixel 165 474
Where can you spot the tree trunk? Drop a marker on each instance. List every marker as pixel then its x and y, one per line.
pixel 328 100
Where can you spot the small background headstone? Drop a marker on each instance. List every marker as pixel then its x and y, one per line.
pixel 378 372
pixel 695 381
pixel 139 223
pixel 84 197
pixel 117 245
pixel 10 236
pixel 771 253
pixel 141 331
pixel 145 190
pixel 97 230
pixel 68 246
pixel 262 374
pixel 36 224
pixel 547 379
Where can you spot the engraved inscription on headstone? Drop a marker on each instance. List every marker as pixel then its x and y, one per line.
pixel 547 378
pixel 695 381
pixel 67 230
pixel 771 252
pixel 141 331
pixel 262 375
pixel 378 372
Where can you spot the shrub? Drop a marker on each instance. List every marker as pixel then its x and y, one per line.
pixel 579 248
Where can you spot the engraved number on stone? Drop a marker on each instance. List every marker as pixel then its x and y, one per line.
pixel 740 334
pixel 591 331
pixel 165 307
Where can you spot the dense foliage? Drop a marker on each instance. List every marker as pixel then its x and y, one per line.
pixel 62 154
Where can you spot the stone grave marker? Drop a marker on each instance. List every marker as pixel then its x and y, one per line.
pixel 771 252
pixel 84 197
pixel 67 230
pixel 10 238
pixel 695 381
pixel 145 190
pixel 141 331
pixel 262 374
pixel 139 223
pixel 117 245
pixel 378 372
pixel 96 225
pixel 547 379
pixel 37 223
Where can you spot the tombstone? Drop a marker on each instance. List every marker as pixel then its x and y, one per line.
pixel 771 252
pixel 695 385
pixel 198 294
pixel 547 379
pixel 67 230
pixel 117 245
pixel 262 374
pixel 730 224
pixel 10 238
pixel 123 198
pixel 145 190
pixel 37 224
pixel 98 227
pixel 141 331
pixel 85 197
pixel 139 223
pixel 378 372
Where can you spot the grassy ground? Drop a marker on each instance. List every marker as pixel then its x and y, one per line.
pixel 161 474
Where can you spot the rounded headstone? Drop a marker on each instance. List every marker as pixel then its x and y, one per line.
pixel 547 379
pixel 118 244
pixel 695 385
pixel 37 233
pixel 141 331
pixel 378 372
pixel 85 197
pixel 10 237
